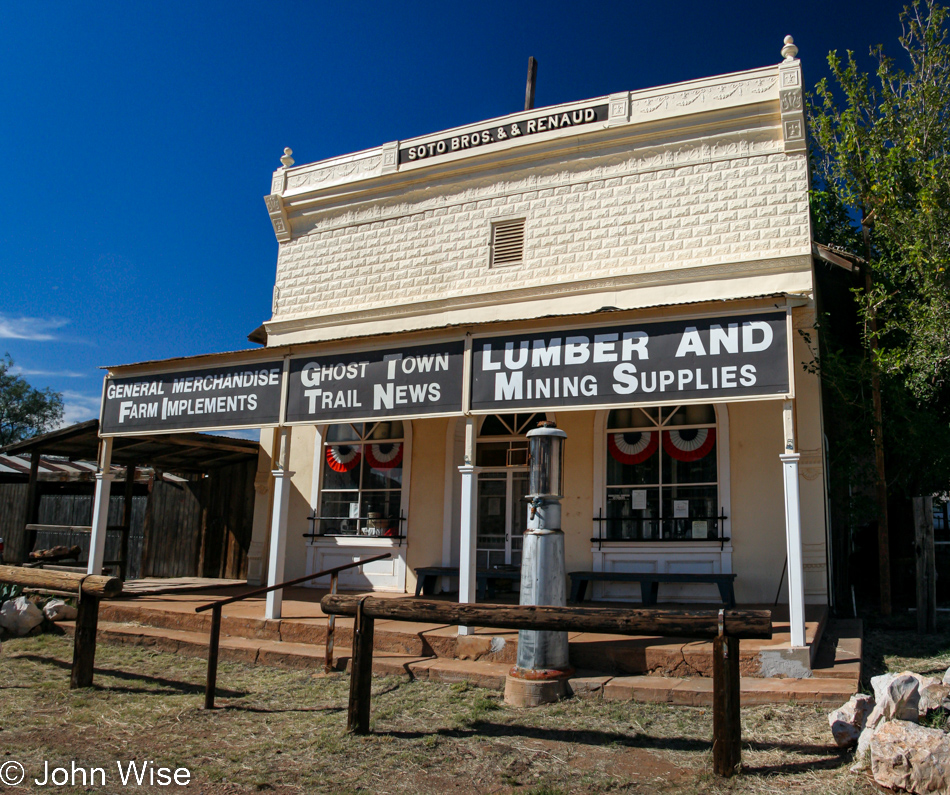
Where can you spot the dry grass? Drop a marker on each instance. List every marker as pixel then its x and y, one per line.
pixel 283 731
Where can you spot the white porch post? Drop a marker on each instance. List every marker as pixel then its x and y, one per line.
pixel 100 508
pixel 278 532
pixel 469 523
pixel 793 530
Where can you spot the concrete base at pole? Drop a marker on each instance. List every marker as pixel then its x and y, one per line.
pixel 521 692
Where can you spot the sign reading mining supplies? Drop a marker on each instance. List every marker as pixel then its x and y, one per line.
pixel 400 382
pixel 205 398
pixel 725 357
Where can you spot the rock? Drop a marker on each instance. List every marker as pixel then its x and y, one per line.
pixel 910 757
pixel 849 720
pixel 20 616
pixel 946 677
pixel 901 698
pixel 934 697
pixel 58 610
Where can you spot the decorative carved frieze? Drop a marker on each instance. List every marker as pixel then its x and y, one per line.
pixel 340 172
pixel 791 104
pixel 706 98
pixel 278 217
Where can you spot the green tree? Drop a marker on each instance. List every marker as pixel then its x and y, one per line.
pixel 881 154
pixel 24 410
pixel 880 157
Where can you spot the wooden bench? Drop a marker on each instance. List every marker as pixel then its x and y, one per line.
pixel 427 577
pixel 650 583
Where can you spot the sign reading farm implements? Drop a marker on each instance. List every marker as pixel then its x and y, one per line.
pixel 713 358
pixel 206 398
pixel 402 382
pixel 548 122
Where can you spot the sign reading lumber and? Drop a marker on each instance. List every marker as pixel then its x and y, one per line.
pixel 398 382
pixel 202 398
pixel 732 357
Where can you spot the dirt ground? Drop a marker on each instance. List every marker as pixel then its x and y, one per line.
pixel 283 731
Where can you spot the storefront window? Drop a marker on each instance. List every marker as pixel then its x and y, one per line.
pixel 362 479
pixel 662 478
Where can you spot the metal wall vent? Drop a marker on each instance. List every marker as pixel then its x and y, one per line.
pixel 507 242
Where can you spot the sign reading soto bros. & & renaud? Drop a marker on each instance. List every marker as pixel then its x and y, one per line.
pixel 725 358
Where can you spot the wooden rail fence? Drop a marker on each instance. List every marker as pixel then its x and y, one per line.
pixel 90 589
pixel 724 627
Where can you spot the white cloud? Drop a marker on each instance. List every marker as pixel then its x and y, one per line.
pixel 37 329
pixel 17 370
pixel 79 407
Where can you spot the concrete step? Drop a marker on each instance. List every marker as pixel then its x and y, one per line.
pixel 698 691
pixel 839 655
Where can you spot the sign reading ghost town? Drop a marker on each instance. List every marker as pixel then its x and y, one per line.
pixel 205 398
pixel 726 357
pixel 401 382
pixel 546 122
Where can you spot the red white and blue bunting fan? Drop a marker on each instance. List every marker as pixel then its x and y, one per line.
pixel 384 456
pixel 343 457
pixel 689 444
pixel 634 447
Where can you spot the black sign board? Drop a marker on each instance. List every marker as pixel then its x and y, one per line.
pixel 713 358
pixel 401 382
pixel 204 398
pixel 543 122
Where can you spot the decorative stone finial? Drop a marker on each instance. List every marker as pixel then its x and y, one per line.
pixel 789 51
pixel 288 161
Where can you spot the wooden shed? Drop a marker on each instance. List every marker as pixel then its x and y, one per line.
pixel 185 508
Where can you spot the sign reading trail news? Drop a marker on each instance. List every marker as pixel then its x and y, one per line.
pixel 727 357
pixel 210 398
pixel 402 382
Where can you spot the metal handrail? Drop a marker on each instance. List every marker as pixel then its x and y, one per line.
pixel 215 608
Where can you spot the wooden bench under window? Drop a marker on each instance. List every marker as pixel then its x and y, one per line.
pixel 650 583
pixel 485 579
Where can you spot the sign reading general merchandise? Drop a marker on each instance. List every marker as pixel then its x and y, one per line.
pixel 728 357
pixel 548 122
pixel 400 382
pixel 203 398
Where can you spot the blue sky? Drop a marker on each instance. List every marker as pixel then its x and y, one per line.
pixel 139 138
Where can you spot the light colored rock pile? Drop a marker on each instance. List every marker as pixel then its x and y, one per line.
pixel 20 616
pixel 884 727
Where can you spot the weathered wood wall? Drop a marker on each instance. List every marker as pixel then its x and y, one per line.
pixel 199 528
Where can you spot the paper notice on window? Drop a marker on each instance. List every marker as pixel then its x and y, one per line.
pixel 354 510
pixel 681 509
pixel 700 529
pixel 638 500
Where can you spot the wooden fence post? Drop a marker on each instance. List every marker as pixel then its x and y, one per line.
pixel 926 564
pixel 727 724
pixel 213 642
pixel 84 641
pixel 361 674
pixel 331 626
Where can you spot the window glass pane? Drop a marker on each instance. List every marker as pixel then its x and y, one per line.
pixel 527 422
pixel 493 426
pixel 690 512
pixel 491 454
pixel 632 418
pixel 344 506
pixel 632 514
pixel 689 456
pixel 382 465
pixel 379 512
pixel 387 430
pixel 343 433
pixel 632 458
pixel 341 466
pixel 703 414
pixel 491 513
